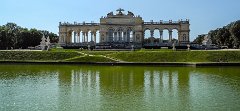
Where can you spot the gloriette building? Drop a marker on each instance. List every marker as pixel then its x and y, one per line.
pixel 122 30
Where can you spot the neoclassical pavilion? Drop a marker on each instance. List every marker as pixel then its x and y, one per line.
pixel 122 30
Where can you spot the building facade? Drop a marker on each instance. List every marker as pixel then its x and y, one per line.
pixel 121 30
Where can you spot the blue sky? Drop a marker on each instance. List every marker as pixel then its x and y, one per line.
pixel 204 15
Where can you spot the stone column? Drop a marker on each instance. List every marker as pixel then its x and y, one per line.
pixel 78 37
pixel 124 36
pixel 60 40
pixel 138 36
pixel 74 37
pixel 161 36
pixel 119 36
pixel 111 36
pixel 128 36
pixel 107 37
pixel 134 38
pixel 152 33
pixel 95 37
pixel 170 35
pixel 179 36
pixel 91 36
pixel 69 37
pixel 115 36
pixel 86 36
pixel 64 38
pixel 83 37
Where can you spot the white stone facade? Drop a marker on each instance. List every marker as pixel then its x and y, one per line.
pixel 121 28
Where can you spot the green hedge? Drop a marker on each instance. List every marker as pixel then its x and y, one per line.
pixel 36 55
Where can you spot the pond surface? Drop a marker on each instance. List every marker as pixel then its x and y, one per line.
pixel 118 88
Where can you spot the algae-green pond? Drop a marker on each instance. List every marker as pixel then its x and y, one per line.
pixel 118 88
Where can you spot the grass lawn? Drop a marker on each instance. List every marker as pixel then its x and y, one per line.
pixel 165 55
pixel 36 55
pixel 178 56
pixel 91 59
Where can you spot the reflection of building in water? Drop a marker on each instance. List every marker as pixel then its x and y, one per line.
pixel 125 78
pixel 160 81
pixel 144 83
pixel 169 84
pixel 122 79
pixel 83 78
pixel 78 85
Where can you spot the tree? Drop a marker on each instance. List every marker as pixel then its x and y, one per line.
pixel 213 36
pixel 235 32
pixel 35 37
pixel 26 37
pixel 228 35
pixel 199 39
pixel 13 36
pixel 223 37
pixel 3 38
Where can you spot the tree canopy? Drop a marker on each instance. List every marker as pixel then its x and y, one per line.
pixel 226 36
pixel 14 36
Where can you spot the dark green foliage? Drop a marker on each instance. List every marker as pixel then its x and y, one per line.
pixel 223 37
pixel 199 39
pixel 227 36
pixel 235 33
pixel 13 36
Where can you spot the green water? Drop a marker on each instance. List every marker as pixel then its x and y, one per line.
pixel 118 88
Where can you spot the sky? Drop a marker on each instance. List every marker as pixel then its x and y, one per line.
pixel 204 15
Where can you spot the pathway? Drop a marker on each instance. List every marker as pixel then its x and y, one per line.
pixel 85 54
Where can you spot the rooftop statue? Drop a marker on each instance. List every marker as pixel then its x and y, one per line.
pixel 130 13
pixel 110 14
pixel 120 11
